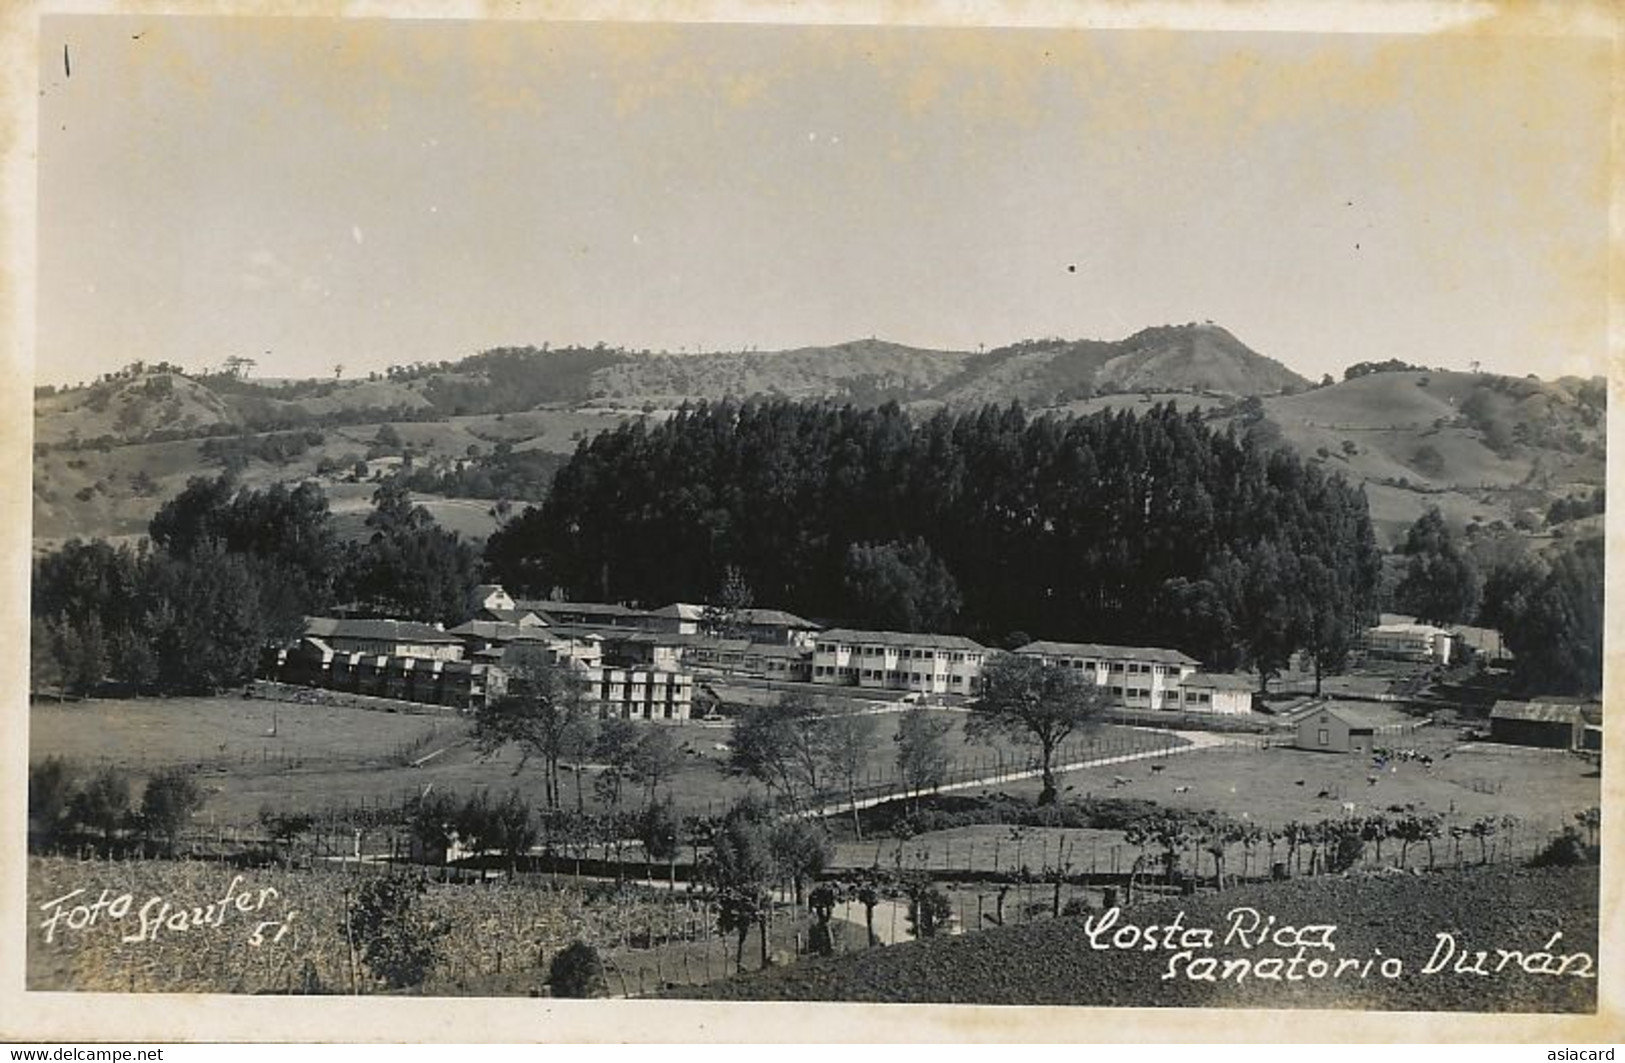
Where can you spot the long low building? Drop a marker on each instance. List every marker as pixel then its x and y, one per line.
pixel 1552 723
pixel 461 685
pixel 1144 677
pixel 1220 694
pixel 896 660
pixel 619 689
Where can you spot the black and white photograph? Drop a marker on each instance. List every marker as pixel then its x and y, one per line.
pixel 763 508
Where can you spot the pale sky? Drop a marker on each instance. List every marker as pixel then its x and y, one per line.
pixel 374 192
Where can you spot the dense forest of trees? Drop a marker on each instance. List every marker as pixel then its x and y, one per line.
pixel 1550 611
pixel 225 571
pixel 1117 527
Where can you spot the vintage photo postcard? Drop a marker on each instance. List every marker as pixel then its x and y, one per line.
pixel 1086 521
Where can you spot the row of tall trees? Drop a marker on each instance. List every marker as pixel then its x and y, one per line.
pixel 1115 527
pixel 225 570
pixel 1547 605
pixel 1549 609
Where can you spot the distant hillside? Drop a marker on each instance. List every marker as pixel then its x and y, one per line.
pixel 129 408
pixel 1182 358
pixel 863 371
pixel 1478 446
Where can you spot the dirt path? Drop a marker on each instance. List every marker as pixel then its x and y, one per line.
pixel 1195 740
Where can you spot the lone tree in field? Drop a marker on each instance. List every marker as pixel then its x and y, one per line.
pixel 845 744
pixel 1028 701
pixel 922 753
pixel 544 712
pixel 774 744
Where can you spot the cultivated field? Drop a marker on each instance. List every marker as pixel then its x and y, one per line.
pixel 1057 962
pixel 289 936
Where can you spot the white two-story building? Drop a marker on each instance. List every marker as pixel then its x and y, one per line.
pixel 1142 677
pixel 896 660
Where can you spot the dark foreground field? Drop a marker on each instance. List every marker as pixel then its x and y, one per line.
pixel 1390 918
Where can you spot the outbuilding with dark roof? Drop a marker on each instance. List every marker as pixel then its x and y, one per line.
pixel 1548 723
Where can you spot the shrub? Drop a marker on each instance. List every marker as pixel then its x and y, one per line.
pixel 51 790
pixel 928 911
pixel 104 804
pixel 397 942
pixel 168 802
pixel 1566 850
pixel 1348 849
pixel 1427 460
pixel 577 973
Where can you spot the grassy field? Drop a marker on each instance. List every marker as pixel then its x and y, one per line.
pixel 148 733
pixel 1279 784
pixel 326 757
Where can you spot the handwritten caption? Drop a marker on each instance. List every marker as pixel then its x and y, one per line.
pixel 1252 945
pixel 157 916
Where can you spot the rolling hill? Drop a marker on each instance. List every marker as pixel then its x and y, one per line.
pixel 1478 446
pixel 1182 358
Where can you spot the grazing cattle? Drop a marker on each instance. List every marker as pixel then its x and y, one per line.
pixel 1324 793
pixel 1158 767
pixel 1118 780
pixel 1371 779
pixel 1300 782
pixel 1348 808
pixel 1182 789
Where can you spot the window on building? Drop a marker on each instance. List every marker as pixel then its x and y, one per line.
pixel 1325 737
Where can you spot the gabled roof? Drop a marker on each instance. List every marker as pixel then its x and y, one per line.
pixel 774 618
pixel 1538 711
pixel 379 630
pixel 513 616
pixel 1407 629
pixel 603 609
pixel 611 633
pixel 902 639
pixel 680 611
pixel 1217 681
pixel 1155 654
pixel 498 630
pixel 1356 716
pixel 700 640
pixel 759 617
pixel 774 649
